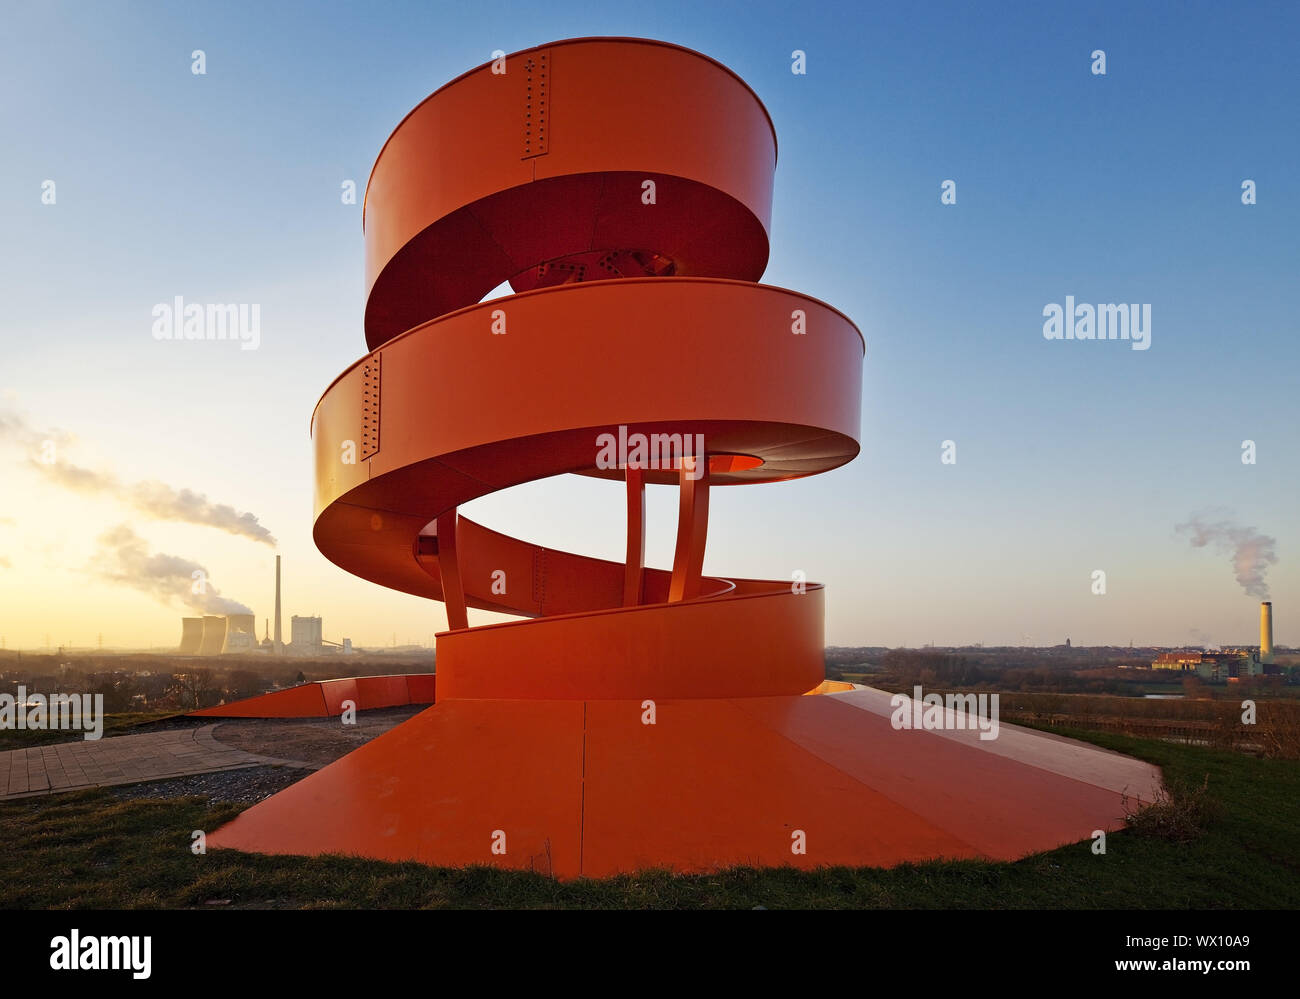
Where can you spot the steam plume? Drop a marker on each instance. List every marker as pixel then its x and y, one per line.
pixel 123 558
pixel 1250 552
pixel 159 500
pixel 154 499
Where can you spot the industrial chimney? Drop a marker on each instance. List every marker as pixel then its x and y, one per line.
pixel 1266 632
pixel 280 644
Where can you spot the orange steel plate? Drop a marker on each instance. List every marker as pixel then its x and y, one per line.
pixel 440 788
pixel 593 789
pixel 707 787
pixel 324 698
pixel 305 701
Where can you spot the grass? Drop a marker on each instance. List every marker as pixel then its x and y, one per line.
pixel 1181 812
pixel 114 724
pixel 1236 817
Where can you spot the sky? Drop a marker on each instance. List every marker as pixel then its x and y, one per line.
pixel 1072 456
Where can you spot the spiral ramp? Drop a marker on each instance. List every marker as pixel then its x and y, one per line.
pixel 634 717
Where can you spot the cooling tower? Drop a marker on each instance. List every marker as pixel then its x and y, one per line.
pixel 214 635
pixel 1266 632
pixel 241 633
pixel 191 635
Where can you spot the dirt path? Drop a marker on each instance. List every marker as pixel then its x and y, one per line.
pixel 319 741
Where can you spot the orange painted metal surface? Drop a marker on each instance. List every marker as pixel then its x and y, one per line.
pixel 338 691
pixel 420 688
pixel 586 788
pixel 637 717
pixel 324 698
pixel 304 701
pixel 416 792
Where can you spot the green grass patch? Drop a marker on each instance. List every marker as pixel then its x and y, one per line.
pixel 1235 846
pixel 114 724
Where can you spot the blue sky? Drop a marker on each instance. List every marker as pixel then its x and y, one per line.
pixel 1072 456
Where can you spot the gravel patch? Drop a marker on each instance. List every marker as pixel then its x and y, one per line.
pixel 246 786
pixel 164 724
pixel 315 741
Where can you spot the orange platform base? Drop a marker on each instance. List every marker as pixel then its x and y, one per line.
pixel 325 698
pixel 588 788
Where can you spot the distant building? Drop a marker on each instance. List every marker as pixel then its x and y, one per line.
pixel 306 635
pixel 1229 664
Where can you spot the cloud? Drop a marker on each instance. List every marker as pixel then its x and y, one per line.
pixel 15 428
pixel 124 558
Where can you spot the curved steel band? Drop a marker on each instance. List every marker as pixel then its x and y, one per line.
pixel 634 246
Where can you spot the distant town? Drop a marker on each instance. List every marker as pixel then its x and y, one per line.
pixel 171 681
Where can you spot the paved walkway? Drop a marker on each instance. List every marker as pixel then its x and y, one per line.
pixel 123 759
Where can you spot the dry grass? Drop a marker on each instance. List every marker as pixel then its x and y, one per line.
pixel 1181 812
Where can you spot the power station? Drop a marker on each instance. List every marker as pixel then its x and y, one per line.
pixel 1227 664
pixel 226 634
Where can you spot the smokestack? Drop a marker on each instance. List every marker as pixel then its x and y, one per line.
pixel 279 643
pixel 1266 631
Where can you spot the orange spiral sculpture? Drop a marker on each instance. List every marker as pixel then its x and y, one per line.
pixel 624 190
pixel 637 717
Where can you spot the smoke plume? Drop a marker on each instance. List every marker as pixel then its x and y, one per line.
pixel 154 499
pixel 1249 551
pixel 123 558
pixel 159 500
pixel 14 427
